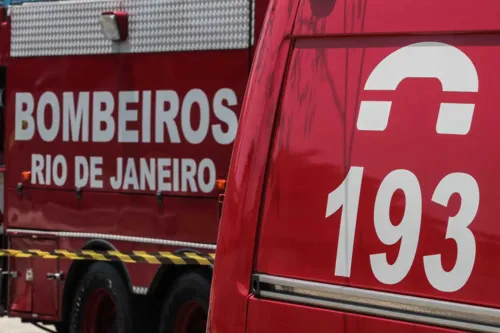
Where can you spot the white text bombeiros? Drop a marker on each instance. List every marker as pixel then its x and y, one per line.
pixel 135 117
pixel 78 117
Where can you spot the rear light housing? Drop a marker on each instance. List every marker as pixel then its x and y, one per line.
pixel 114 25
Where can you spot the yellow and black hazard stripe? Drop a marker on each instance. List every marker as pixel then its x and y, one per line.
pixel 157 258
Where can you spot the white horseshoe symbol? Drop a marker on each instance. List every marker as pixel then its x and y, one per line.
pixel 423 60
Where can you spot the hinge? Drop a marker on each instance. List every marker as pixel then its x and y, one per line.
pixel 12 275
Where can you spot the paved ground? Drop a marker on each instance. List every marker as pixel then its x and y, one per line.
pixel 15 326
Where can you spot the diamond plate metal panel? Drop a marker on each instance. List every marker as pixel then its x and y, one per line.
pixel 187 25
pixel 72 27
pixel 59 28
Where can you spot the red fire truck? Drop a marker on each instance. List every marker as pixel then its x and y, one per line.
pixel 119 118
pixel 362 193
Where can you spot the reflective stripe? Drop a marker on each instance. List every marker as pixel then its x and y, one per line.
pixel 155 258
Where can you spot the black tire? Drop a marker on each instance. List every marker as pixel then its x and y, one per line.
pixel 101 277
pixel 189 290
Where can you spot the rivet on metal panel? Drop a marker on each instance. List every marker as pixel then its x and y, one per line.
pixel 78 191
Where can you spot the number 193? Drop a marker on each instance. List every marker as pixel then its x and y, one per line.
pixel 346 197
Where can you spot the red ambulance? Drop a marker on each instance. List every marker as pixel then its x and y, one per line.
pixel 119 121
pixel 362 192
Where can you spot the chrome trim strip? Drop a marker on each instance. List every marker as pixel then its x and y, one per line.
pixel 384 304
pixel 121 238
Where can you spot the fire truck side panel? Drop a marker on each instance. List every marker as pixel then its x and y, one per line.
pixel 174 86
pixel 20 288
pixel 46 291
pixel 150 86
pixel 315 151
pixel 268 316
pixel 119 142
pixel 32 291
pixel 174 218
pixel 25 295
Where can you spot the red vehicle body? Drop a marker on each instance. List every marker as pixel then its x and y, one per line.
pixel 361 195
pixel 117 145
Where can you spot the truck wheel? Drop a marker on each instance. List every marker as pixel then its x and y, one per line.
pixel 186 307
pixel 102 302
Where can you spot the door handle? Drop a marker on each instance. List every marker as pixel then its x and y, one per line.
pixel 12 275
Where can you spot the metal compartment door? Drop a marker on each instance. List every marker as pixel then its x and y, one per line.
pixel 45 286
